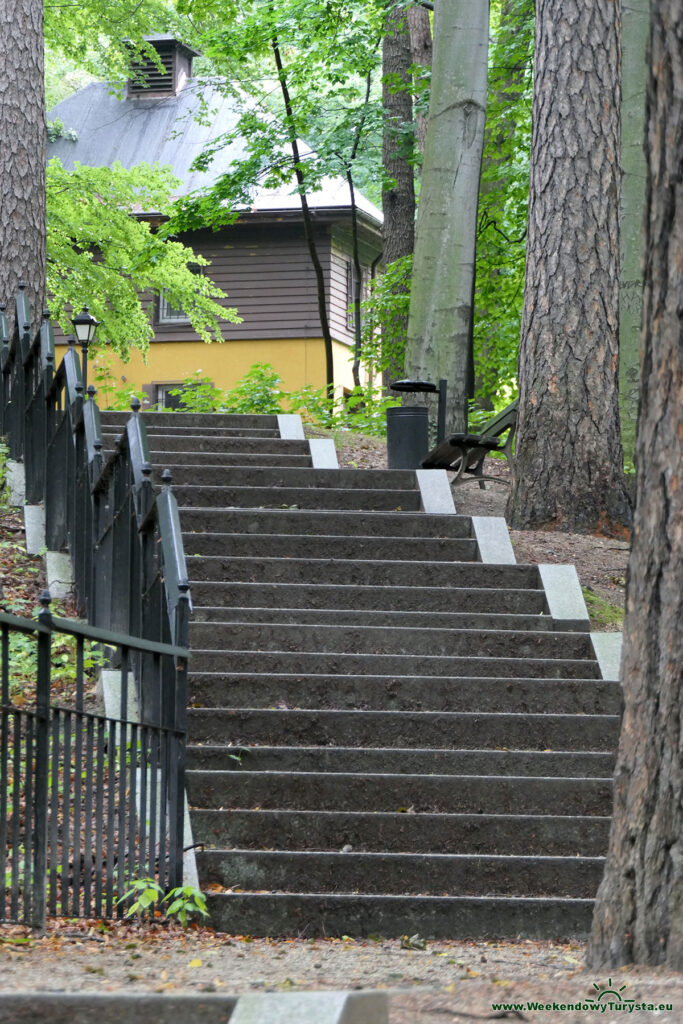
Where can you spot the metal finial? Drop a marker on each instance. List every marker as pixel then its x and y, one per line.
pixel 135 404
pixel 92 391
pixel 46 314
pixel 167 478
pixel 146 469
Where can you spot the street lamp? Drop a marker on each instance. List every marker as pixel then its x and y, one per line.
pixel 85 326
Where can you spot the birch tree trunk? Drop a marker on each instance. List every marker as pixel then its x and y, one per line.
pixel 639 908
pixel 398 199
pixel 440 322
pixel 635 32
pixel 568 468
pixel 22 153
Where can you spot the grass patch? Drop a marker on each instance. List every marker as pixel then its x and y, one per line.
pixel 601 612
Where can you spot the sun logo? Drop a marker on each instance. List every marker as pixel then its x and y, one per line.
pixel 606 992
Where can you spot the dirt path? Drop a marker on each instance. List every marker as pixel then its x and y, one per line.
pixel 446 982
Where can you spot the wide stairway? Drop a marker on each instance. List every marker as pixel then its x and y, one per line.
pixel 387 735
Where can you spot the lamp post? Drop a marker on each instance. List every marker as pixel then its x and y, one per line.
pixel 85 326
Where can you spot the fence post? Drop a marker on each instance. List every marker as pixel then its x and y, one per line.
pixel 42 764
pixel 177 808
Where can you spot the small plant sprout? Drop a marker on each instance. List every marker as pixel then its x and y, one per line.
pixel 185 902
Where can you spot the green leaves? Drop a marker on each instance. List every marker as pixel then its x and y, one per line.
pixel 99 252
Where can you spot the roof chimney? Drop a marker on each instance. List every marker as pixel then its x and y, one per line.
pixel 176 59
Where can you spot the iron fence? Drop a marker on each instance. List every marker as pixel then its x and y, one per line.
pixel 88 802
pixel 130 577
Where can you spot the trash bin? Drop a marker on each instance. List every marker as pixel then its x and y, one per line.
pixel 407 436
pixel 408 425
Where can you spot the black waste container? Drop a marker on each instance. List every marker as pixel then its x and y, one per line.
pixel 408 425
pixel 407 436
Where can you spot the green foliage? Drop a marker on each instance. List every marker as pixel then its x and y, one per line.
pixel 184 902
pixel 503 199
pixel 57 130
pixel 198 394
pixel 383 338
pixel 602 614
pixel 4 485
pixel 257 392
pixel 97 252
pixel 330 55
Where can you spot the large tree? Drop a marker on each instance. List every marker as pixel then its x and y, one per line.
pixel 22 152
pixel 639 909
pixel 398 194
pixel 440 323
pixel 568 470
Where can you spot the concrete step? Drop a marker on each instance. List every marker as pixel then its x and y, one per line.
pixel 211 598
pixel 186 420
pixel 545 764
pixel 434 874
pixel 438 917
pixel 232 443
pixel 314 523
pixel 397 480
pixel 389 640
pixel 298 497
pixel 424 794
pixel 272 436
pixel 424 729
pixel 288 545
pixel 537 835
pixel 221 461
pixel 362 572
pixel 334 663
pixel 386 617
pixel 419 693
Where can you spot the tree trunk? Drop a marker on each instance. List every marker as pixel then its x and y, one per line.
pixel 421 53
pixel 398 200
pixel 439 328
pixel 568 469
pixel 639 909
pixel 636 25
pixel 22 154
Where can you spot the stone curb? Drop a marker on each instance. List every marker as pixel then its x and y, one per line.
pixel 261 1008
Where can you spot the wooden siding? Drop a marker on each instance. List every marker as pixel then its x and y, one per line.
pixel 266 271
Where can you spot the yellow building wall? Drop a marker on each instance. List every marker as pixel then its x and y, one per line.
pixel 298 361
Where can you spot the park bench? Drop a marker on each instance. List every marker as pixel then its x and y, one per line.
pixel 465 453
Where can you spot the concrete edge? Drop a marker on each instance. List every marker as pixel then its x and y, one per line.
pixel 608 647
pixel 436 496
pixel 290 426
pixel 16 481
pixel 114 1008
pixel 109 691
pixel 34 528
pixel 151 1008
pixel 563 594
pixel 59 572
pixel 323 453
pixel 312 1008
pixel 493 539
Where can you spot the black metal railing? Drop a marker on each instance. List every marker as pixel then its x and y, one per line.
pixel 123 536
pixel 88 802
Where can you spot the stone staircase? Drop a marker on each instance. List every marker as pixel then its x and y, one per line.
pixel 388 733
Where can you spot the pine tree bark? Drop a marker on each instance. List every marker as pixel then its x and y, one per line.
pixel 568 470
pixel 441 301
pixel 421 53
pixel 22 153
pixel 639 908
pixel 398 199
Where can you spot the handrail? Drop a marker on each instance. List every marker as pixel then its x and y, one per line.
pixel 103 636
pixel 125 540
